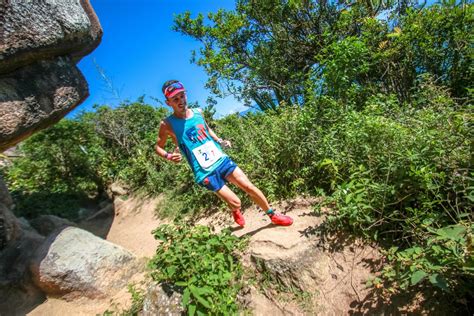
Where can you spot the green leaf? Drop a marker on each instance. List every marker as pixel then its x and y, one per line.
pixel 205 290
pixel 439 281
pixel 171 270
pixel 197 295
pixel 417 276
pixel 186 295
pixel 191 310
pixel 452 232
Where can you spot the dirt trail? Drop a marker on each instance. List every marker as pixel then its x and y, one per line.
pixel 130 228
pixel 334 272
pixel 132 225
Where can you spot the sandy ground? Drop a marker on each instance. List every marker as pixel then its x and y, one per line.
pixel 131 228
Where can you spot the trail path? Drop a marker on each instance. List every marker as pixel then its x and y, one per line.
pixel 333 272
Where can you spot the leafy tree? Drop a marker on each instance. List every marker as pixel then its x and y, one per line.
pixel 277 52
pixel 263 51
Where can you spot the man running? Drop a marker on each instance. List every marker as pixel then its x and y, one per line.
pixel 212 168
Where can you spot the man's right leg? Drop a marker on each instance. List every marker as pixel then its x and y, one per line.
pixel 233 201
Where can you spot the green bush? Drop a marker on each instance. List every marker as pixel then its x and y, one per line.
pixel 57 171
pixel 406 179
pixel 445 259
pixel 204 264
pixel 62 158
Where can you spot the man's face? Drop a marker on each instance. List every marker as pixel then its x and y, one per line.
pixel 179 103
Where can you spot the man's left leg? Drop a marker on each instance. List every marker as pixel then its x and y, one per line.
pixel 239 178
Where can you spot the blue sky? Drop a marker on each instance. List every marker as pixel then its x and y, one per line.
pixel 139 52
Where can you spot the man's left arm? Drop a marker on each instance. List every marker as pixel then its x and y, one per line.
pixel 220 141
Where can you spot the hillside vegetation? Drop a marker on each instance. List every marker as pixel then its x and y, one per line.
pixel 367 105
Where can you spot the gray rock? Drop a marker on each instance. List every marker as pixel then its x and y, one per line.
pixel 37 96
pixel 25 225
pixel 74 262
pixel 302 271
pixel 106 211
pixel 46 224
pixel 9 228
pixel 17 291
pixel 118 189
pixel 40 30
pixel 40 45
pixel 104 203
pixel 5 197
pixel 83 213
pixel 162 299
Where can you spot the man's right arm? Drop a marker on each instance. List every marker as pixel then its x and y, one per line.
pixel 163 134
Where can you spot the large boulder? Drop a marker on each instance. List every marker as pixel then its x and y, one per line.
pixel 41 30
pixel 73 262
pixel 46 224
pixel 38 95
pixel 9 226
pixel 18 294
pixel 40 45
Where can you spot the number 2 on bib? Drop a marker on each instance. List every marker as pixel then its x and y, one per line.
pixel 207 154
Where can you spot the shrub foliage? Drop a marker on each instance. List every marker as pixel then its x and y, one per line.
pixel 203 264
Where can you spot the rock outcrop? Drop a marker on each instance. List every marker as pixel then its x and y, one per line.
pixel 46 224
pixel 16 247
pixel 18 294
pixel 38 95
pixel 9 226
pixel 40 45
pixel 74 263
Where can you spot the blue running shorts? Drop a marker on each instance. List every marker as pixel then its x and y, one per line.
pixel 216 180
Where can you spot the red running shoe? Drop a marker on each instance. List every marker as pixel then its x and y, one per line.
pixel 238 217
pixel 281 220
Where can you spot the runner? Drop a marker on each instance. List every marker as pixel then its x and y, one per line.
pixel 212 168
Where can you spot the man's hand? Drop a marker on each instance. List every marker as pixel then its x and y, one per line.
pixel 175 156
pixel 224 143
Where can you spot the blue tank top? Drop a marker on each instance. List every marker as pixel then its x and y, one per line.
pixel 203 154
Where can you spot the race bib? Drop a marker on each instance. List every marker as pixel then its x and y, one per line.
pixel 207 154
